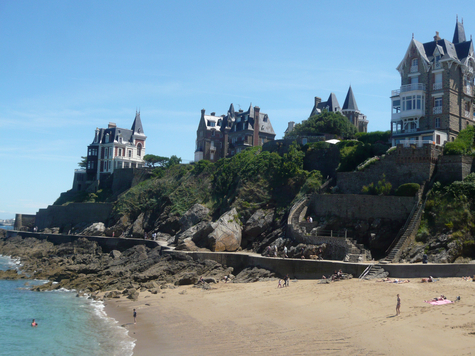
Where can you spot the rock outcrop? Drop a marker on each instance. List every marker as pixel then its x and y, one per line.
pixel 226 234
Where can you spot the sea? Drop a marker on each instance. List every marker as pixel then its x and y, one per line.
pixel 67 325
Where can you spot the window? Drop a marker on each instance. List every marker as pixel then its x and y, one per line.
pixel 412 102
pixel 213 132
pixel 437 81
pixel 212 156
pixel 415 62
pixel 437 106
pixel 130 153
pixel 437 122
pixel 437 139
pixel 211 123
pixel 139 149
pixel 437 63
pixel 396 106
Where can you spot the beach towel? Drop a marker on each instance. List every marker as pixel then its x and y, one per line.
pixel 438 302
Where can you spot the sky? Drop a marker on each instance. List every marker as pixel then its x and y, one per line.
pixel 67 67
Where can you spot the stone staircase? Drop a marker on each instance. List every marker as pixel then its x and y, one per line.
pixel 408 232
pixel 375 271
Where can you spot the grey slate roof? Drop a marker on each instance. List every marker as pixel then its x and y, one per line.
pixel 350 101
pixel 331 104
pixel 137 125
pixel 459 33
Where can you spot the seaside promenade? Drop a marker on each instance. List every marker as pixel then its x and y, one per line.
pixel 296 268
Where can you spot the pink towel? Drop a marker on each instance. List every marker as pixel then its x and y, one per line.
pixel 439 302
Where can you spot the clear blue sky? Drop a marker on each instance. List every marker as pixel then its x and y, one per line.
pixel 67 67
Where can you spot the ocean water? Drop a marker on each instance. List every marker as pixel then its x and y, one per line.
pixel 67 325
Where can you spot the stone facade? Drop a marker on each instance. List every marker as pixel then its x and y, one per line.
pixel 226 135
pixel 435 100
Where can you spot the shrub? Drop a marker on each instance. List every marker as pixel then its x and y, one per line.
pixel 463 144
pixel 407 190
pixel 381 188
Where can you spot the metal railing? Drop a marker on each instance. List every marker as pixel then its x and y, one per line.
pixel 437 86
pixel 437 110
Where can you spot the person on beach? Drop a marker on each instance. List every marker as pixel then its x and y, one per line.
pixel 135 317
pixel 287 281
pixel 34 324
pixel 280 284
pixel 398 305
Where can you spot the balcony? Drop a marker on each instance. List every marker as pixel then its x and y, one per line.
pixel 437 110
pixel 467 113
pixel 468 90
pixel 409 87
pixel 437 86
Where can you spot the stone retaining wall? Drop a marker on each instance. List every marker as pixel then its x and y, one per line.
pixel 69 215
pixel 454 168
pixel 362 206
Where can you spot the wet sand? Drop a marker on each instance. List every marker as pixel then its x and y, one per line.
pixel 351 317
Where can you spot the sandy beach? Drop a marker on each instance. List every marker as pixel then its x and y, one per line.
pixel 353 317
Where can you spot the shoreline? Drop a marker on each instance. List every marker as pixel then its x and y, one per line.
pixel 341 318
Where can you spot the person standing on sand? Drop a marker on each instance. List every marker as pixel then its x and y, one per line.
pixel 135 317
pixel 398 305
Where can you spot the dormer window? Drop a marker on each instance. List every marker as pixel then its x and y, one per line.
pixel 437 63
pixel 211 123
pixel 414 65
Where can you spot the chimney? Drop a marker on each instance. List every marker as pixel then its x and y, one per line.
pixel 256 125
pixel 436 37
pixel 202 113
pixel 291 126
pixel 213 113
pixel 317 101
pixel 111 125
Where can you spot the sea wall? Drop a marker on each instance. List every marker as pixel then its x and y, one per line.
pixel 24 222
pixel 64 216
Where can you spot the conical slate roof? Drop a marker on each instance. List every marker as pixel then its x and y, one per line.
pixel 332 103
pixel 137 125
pixel 459 34
pixel 350 101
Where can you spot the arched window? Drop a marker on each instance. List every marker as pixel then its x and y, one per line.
pixel 139 149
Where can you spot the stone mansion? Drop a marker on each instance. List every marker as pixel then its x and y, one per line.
pixel 112 148
pixel 226 135
pixel 435 99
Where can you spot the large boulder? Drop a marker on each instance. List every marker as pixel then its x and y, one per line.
pixel 193 216
pixel 226 234
pixel 187 245
pixel 94 229
pixel 136 230
pixel 259 222
pixel 197 233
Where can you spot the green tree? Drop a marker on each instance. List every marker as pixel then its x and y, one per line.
pixel 83 162
pixel 152 160
pixel 325 123
pixel 173 160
